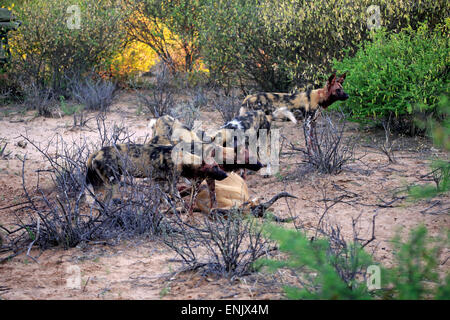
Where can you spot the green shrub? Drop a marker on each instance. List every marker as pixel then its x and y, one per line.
pixel 323 272
pixel 440 133
pixel 443 291
pixel 170 28
pixel 45 51
pixel 278 44
pixel 391 75
pixel 415 274
pixel 327 273
pixel 440 175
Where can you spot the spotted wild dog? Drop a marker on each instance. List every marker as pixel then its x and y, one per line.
pixel 303 104
pixel 161 163
pixel 170 131
pixel 240 131
pixel 247 122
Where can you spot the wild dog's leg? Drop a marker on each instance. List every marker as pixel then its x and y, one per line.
pixel 242 111
pixel 174 192
pixel 190 206
pixel 313 136
pixel 97 176
pixel 212 192
pixel 310 134
pixel 314 117
pixel 307 133
pixel 194 192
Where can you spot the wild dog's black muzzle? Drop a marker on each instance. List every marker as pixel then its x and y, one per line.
pixel 217 174
pixel 345 96
pixel 254 166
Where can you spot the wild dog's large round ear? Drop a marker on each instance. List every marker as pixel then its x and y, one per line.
pixel 331 80
pixel 342 78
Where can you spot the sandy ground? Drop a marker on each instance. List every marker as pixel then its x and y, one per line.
pixel 146 269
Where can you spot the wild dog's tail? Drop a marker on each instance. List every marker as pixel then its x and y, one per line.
pixel 92 176
pixel 282 113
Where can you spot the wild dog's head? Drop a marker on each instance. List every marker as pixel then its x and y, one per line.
pixel 199 160
pixel 194 166
pixel 334 90
pixel 212 171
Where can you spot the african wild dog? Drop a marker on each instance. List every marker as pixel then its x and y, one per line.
pixel 247 122
pixel 240 131
pixel 170 131
pixel 163 163
pixel 303 104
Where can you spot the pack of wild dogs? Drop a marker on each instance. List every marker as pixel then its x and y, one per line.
pixel 176 152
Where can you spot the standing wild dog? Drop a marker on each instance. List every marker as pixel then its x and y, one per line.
pixel 162 163
pixel 302 104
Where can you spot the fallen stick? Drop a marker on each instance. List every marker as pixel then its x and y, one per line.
pixel 260 210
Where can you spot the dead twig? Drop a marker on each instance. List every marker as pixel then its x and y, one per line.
pixel 388 146
pixel 260 210
pixel 327 150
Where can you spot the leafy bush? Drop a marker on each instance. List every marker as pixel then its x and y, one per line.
pixel 46 51
pixel 440 174
pixel 318 268
pixel 392 74
pixel 323 271
pixel 440 131
pixel 136 58
pixel 279 44
pixel 415 274
pixel 170 28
